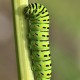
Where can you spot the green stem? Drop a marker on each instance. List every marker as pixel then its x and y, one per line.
pixel 24 67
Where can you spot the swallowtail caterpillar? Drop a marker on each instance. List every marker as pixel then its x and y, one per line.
pixel 38 17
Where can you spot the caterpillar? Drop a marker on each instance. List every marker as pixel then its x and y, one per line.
pixel 38 18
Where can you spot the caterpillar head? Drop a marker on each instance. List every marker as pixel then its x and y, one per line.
pixel 26 12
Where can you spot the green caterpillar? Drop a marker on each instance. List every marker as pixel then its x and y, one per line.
pixel 38 17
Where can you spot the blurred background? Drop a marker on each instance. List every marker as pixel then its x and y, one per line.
pixel 8 68
pixel 64 39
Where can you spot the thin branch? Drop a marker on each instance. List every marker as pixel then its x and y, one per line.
pixel 24 67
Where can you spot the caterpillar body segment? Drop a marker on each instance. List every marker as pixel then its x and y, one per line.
pixel 38 35
pixel 41 55
pixel 39 27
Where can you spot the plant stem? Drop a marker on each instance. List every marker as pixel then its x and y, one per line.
pixel 22 53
